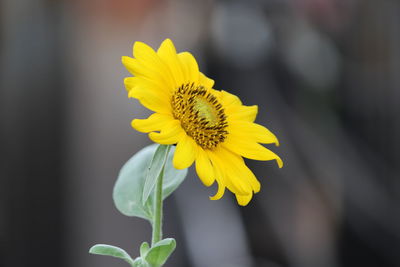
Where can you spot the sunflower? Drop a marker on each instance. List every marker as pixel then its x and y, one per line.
pixel 209 127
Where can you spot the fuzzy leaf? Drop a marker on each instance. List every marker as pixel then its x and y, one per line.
pixel 160 252
pixel 107 250
pixel 144 248
pixel 129 187
pixel 140 262
pixel 154 171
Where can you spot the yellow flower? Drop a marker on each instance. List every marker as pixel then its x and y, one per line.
pixel 209 127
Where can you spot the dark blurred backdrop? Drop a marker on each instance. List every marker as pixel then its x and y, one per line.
pixel 323 72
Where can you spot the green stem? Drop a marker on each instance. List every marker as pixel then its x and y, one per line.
pixel 158 207
pixel 157 224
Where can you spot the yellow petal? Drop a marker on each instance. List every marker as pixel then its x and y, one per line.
pixel 154 122
pixel 151 100
pixel 226 173
pixel 137 68
pixel 170 134
pixel 144 52
pixel 167 53
pixel 144 84
pixel 244 171
pixel 255 184
pixel 219 176
pixel 150 60
pixel 220 192
pixel 185 153
pixel 251 150
pixel 189 67
pixel 232 174
pixel 235 177
pixel 204 168
pixel 235 109
pixel 205 81
pixel 242 113
pixel 229 99
pixel 130 82
pixel 243 200
pixel 251 131
pixel 129 64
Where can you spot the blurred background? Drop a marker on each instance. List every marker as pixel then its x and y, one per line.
pixel 325 74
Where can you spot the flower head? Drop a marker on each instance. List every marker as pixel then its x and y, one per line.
pixel 209 127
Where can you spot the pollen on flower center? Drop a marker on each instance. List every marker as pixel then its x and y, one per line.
pixel 201 115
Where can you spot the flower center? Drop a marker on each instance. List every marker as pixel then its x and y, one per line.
pixel 201 115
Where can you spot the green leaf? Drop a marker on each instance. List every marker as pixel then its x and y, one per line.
pixel 160 252
pixel 144 247
pixel 129 187
pixel 139 262
pixel 172 177
pixel 155 168
pixel 107 250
